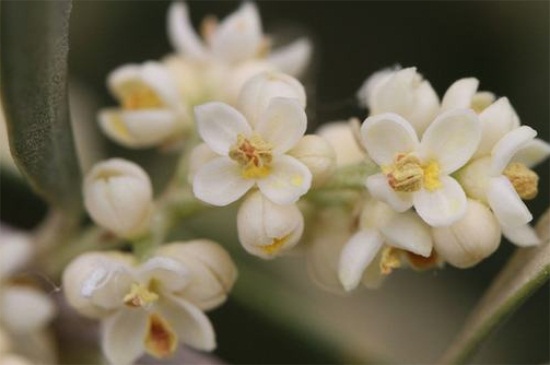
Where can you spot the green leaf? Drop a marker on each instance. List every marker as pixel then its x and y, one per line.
pixel 527 270
pixel 34 48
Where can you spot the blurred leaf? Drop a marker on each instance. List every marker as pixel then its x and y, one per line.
pixel 527 270
pixel 34 50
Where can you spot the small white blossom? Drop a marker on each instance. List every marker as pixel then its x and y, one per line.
pixel 403 92
pixel 266 229
pixel 152 306
pixel 380 225
pixel 151 112
pixel 471 239
pixel 118 196
pixel 318 155
pixel 417 173
pixel 251 156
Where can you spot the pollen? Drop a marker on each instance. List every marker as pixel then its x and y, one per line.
pixel 524 180
pixel 140 296
pixel 405 174
pixel 390 260
pixel 275 245
pixel 431 176
pixel 254 156
pixel 141 97
pixel 161 340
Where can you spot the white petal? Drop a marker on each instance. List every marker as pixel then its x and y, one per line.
pixel 441 207
pixel 425 107
pixel 25 309
pixel 16 250
pixel 170 274
pixel 408 232
pixel 219 125
pixel 523 235
pixel 386 135
pixel 356 255
pixel 200 155
pixel 123 336
pixel 460 94
pixel 508 207
pixel 190 323
pixel 367 91
pixel 533 153
pixel 288 181
pixel 451 139
pixel 219 182
pixel 497 120
pixel 293 58
pixel 181 33
pixel 283 124
pixel 238 37
pixel 162 82
pixel 508 146
pixel 124 78
pixel 380 189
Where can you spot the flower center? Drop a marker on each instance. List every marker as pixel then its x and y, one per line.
pixel 161 340
pixel 253 155
pixel 524 180
pixel 409 174
pixel 141 97
pixel 140 296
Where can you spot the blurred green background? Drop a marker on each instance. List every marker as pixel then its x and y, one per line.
pixel 413 317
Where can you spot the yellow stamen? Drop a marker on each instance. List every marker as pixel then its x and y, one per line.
pixel 141 97
pixel 139 296
pixel 524 180
pixel 254 155
pixel 409 174
pixel 275 245
pixel 390 260
pixel 161 340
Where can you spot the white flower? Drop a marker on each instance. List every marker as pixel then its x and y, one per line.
pixel 318 155
pixel 502 182
pixel 151 113
pixel 250 156
pixel 119 197
pixel 379 225
pixel 471 239
pixel 153 306
pixel 341 137
pixel 403 92
pixel 463 94
pixel 236 39
pixel 418 173
pixel 266 229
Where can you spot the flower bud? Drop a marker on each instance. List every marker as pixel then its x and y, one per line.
pixel 341 137
pixel 267 229
pixel 471 239
pixel 258 91
pixel 119 197
pixel 318 155
pixel 212 271
pixel 15 251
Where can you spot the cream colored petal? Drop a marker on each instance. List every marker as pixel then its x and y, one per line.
pixel 25 309
pixel 341 138
pixel 460 94
pixel 292 58
pixel 15 251
pixel 451 139
pixel 191 325
pixel 123 336
pixel 380 189
pixel 288 181
pixel 408 232
pixel 356 255
pixel 283 124
pixel 443 206
pixel 368 89
pixel 169 274
pixel 497 120
pixel 522 235
pixel 181 33
pixel 122 79
pixel 158 76
pixel 200 155
pixel 533 153
pixel 508 146
pixel 219 182
pixel 219 125
pixel 508 207
pixel 318 155
pixel 387 135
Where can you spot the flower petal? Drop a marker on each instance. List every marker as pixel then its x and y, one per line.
pixel 508 146
pixel 25 309
pixel 219 125
pixel 508 207
pixel 380 189
pixel 533 153
pixel 283 124
pixel 523 235
pixel 386 135
pixel 181 33
pixel 191 325
pixel 367 91
pixel 219 182
pixel 293 58
pixel 451 139
pixel 498 119
pixel 157 75
pixel 408 232
pixel 123 336
pixel 288 181
pixel 172 275
pixel 356 255
pixel 238 37
pixel 443 206
pixel 460 94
